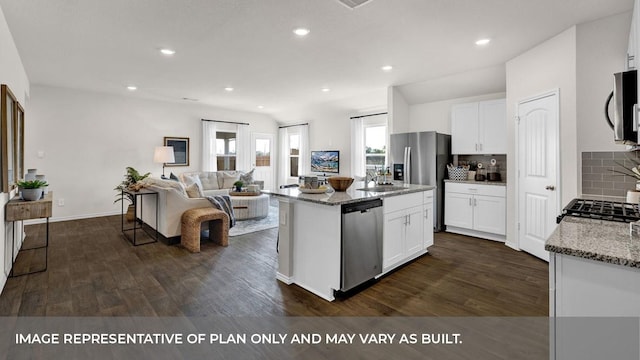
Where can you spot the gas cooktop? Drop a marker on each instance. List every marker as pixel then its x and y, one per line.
pixel 601 210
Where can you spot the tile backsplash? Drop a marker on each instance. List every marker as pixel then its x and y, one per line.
pixel 599 176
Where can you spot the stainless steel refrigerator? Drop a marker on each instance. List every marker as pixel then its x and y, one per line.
pixel 422 158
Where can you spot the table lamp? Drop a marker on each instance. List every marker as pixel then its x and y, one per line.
pixel 163 154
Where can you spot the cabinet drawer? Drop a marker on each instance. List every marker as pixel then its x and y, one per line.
pixel 427 197
pixel 400 202
pixel 479 189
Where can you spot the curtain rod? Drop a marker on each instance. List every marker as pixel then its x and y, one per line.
pixel 361 116
pixel 226 122
pixel 286 126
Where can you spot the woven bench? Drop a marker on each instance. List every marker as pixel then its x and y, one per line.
pixel 192 221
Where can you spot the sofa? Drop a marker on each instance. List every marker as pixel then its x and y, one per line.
pixel 174 199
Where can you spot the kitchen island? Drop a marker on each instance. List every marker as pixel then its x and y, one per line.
pixel 594 288
pixel 310 232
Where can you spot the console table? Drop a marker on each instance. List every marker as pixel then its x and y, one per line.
pixel 20 210
pixel 136 197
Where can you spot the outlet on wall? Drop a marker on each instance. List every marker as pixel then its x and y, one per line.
pixel 61 202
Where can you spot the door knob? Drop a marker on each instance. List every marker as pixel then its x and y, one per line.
pixel 550 187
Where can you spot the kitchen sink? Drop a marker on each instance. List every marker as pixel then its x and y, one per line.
pixel 383 188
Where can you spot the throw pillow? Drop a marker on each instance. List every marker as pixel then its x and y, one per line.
pixel 247 177
pixel 173 176
pixel 194 191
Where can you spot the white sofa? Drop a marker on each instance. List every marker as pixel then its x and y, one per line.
pixel 173 199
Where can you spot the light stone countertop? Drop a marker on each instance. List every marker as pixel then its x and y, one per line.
pixel 599 240
pixel 346 197
pixel 497 183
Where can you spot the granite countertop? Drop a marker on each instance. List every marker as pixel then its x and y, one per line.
pixel 599 240
pixel 498 183
pixel 350 196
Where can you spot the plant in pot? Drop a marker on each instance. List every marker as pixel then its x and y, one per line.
pixel 633 195
pixel 238 184
pixel 131 182
pixel 32 189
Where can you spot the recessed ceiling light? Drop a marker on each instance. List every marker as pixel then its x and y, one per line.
pixel 326 89
pixel 387 68
pixel 228 89
pixel 132 88
pixel 167 51
pixel 189 99
pixel 301 31
pixel 482 42
pixel 260 107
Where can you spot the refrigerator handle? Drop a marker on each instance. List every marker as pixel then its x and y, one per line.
pixel 407 165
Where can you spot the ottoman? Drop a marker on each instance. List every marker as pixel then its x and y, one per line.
pixel 193 218
pixel 250 207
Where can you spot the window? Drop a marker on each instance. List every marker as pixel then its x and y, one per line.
pixel 294 154
pixel 226 150
pixel 263 152
pixel 375 142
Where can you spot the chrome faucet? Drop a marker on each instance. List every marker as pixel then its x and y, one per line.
pixel 371 175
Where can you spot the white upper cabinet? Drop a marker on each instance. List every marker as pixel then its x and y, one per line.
pixel 479 127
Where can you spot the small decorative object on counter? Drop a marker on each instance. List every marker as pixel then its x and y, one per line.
pixel 480 173
pixel 340 183
pixel 32 190
pixel 238 184
pixel 30 175
pixel 633 195
pixel 458 173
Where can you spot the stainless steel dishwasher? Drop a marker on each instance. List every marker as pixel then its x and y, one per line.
pixel 361 243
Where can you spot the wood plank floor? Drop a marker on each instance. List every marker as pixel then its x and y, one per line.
pixel 94 271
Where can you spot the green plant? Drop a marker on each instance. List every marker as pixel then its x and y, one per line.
pixel 32 184
pixel 633 171
pixel 238 184
pixel 130 182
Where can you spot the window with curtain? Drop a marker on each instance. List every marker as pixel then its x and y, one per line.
pixel 294 155
pixel 370 143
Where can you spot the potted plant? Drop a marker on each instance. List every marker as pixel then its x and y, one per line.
pixel 130 182
pixel 633 195
pixel 238 184
pixel 32 189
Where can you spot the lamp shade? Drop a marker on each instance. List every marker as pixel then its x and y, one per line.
pixel 163 154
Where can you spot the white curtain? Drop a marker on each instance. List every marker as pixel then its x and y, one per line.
pixel 243 148
pixel 283 168
pixel 209 146
pixel 304 162
pixel 357 148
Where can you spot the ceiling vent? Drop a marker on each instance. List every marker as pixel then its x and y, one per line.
pixel 352 4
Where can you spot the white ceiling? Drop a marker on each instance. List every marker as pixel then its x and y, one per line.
pixel 104 46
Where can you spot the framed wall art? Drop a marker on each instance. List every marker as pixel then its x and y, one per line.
pixel 180 150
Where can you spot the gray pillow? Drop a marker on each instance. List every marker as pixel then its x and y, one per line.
pixel 172 176
pixel 247 177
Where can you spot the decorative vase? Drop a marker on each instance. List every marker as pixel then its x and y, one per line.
pixel 129 216
pixel 238 188
pixel 30 175
pixel 32 194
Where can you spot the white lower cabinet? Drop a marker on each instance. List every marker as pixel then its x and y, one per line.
pixel 476 210
pixel 408 228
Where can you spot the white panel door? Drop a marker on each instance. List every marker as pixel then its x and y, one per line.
pixel 493 127
pixel 458 210
pixel 489 214
pixel 464 128
pixel 414 231
pixel 262 159
pixel 537 166
pixel 393 238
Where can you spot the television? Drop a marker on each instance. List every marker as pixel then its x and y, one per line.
pixel 325 161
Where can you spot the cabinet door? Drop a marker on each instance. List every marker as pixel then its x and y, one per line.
pixel 464 128
pixel 393 239
pixel 489 214
pixel 458 210
pixel 492 126
pixel 427 218
pixel 414 232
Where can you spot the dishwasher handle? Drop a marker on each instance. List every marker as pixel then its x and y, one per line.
pixel 361 207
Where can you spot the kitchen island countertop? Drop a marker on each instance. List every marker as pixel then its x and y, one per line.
pixel 352 195
pixel 598 240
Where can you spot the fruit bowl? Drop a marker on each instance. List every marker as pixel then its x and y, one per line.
pixel 340 183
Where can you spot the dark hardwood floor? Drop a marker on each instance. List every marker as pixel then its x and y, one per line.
pixel 94 271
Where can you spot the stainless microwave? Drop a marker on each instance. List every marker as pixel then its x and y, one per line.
pixel 625 108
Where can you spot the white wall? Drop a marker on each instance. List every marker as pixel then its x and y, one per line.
pixel 89 138
pixel 398 111
pixel 550 65
pixel 12 73
pixel 436 116
pixel 601 52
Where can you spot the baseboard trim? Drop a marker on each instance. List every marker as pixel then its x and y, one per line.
pixel 285 279
pixel 478 234
pixel 512 246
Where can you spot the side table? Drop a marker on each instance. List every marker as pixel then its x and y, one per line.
pixel 20 210
pixel 137 221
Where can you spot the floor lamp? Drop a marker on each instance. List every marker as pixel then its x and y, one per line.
pixel 164 155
